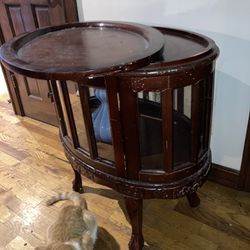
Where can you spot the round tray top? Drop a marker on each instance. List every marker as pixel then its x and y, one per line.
pixel 82 49
pixel 182 50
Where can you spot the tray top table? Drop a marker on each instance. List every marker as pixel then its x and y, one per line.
pixel 134 105
pixel 74 51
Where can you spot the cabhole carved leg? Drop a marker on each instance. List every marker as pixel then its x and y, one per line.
pixel 77 182
pixel 193 199
pixel 134 210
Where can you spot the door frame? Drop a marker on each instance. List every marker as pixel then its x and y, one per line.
pixel 13 90
pixel 244 177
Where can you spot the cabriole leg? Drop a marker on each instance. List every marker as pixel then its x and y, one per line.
pixel 77 182
pixel 134 209
pixel 193 199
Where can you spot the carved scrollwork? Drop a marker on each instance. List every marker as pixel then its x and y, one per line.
pixel 143 190
pixel 137 85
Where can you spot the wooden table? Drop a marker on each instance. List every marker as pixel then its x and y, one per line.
pixel 139 118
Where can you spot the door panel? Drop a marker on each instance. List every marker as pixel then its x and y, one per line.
pixel 18 16
pixel 15 19
pixel 32 88
pixel 47 12
pixel 34 93
pixel 41 15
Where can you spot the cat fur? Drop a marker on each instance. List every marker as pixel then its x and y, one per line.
pixel 75 228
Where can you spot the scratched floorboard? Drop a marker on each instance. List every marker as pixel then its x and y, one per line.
pixel 33 167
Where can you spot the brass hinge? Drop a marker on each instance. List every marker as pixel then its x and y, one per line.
pixel 13 80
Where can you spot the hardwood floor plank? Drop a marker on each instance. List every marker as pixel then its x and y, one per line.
pixel 5 214
pixel 31 126
pixel 18 154
pixel 8 160
pixel 221 218
pixel 25 230
pixel 179 228
pixel 19 244
pixel 223 240
pixel 33 167
pixel 13 203
pixel 7 235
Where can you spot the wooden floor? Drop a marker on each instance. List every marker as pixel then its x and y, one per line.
pixel 33 167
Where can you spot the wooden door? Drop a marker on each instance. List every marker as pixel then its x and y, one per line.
pixel 33 97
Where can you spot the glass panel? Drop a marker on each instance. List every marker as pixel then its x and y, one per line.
pixel 175 100
pixel 78 114
pixel 187 101
pixel 203 122
pixel 182 125
pixel 150 130
pixel 65 116
pixel 101 123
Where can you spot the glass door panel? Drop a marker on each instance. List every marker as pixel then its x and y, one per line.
pixel 150 130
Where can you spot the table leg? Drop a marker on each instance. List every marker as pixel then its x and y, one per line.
pixel 77 182
pixel 134 209
pixel 193 199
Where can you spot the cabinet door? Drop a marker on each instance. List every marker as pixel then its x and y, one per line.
pixel 18 16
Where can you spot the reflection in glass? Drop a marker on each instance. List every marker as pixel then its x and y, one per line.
pixel 150 130
pixel 77 113
pixel 65 116
pixel 101 123
pixel 182 100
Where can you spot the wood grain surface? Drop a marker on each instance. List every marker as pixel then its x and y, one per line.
pixel 33 167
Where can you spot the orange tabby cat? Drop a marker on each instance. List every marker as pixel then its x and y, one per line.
pixel 75 228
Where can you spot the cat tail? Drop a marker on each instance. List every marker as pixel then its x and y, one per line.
pixel 91 224
pixel 87 241
pixel 77 199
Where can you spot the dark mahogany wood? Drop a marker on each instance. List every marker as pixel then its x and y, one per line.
pixel 116 127
pixel 167 111
pixel 84 96
pixel 193 199
pixel 69 114
pixel 59 110
pixel 81 50
pixel 129 120
pixel 134 210
pixel 77 182
pixel 209 111
pixel 188 59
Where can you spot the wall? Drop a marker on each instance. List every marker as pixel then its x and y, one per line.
pixel 225 21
